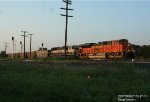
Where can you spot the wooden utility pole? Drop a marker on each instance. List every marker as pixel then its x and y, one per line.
pixel 24 34
pixel 30 43
pixel 6 45
pixel 68 2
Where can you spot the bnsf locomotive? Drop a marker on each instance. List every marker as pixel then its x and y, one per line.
pixel 106 50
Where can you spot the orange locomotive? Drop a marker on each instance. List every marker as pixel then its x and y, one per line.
pixel 107 49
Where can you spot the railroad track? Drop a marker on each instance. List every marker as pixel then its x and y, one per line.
pixel 141 64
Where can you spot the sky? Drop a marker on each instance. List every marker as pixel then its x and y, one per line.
pixel 93 21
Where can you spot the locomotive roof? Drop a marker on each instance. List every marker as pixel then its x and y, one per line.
pixel 123 39
pixel 56 48
pixel 112 40
pixel 86 44
pixel 120 40
pixel 103 42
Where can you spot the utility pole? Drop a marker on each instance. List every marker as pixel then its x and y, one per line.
pixel 6 45
pixel 15 46
pixel 24 35
pixel 30 43
pixel 68 2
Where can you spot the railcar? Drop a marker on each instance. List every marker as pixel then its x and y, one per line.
pixel 106 50
pixel 60 51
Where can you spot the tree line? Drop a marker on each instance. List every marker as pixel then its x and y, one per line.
pixel 3 54
pixel 142 51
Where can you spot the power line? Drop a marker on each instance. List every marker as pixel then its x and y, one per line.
pixel 68 2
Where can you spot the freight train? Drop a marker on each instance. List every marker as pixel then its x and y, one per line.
pixel 114 49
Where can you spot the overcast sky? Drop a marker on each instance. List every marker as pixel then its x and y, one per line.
pixel 93 21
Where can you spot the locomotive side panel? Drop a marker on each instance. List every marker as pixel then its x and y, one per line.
pixel 109 49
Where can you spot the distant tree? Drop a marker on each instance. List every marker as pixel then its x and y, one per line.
pixel 145 51
pixel 142 51
pixel 137 50
pixel 3 54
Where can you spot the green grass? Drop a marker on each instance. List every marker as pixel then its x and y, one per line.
pixel 70 83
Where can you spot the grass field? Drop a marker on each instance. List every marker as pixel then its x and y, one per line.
pixel 69 83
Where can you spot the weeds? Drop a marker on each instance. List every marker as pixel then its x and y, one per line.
pixel 71 83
